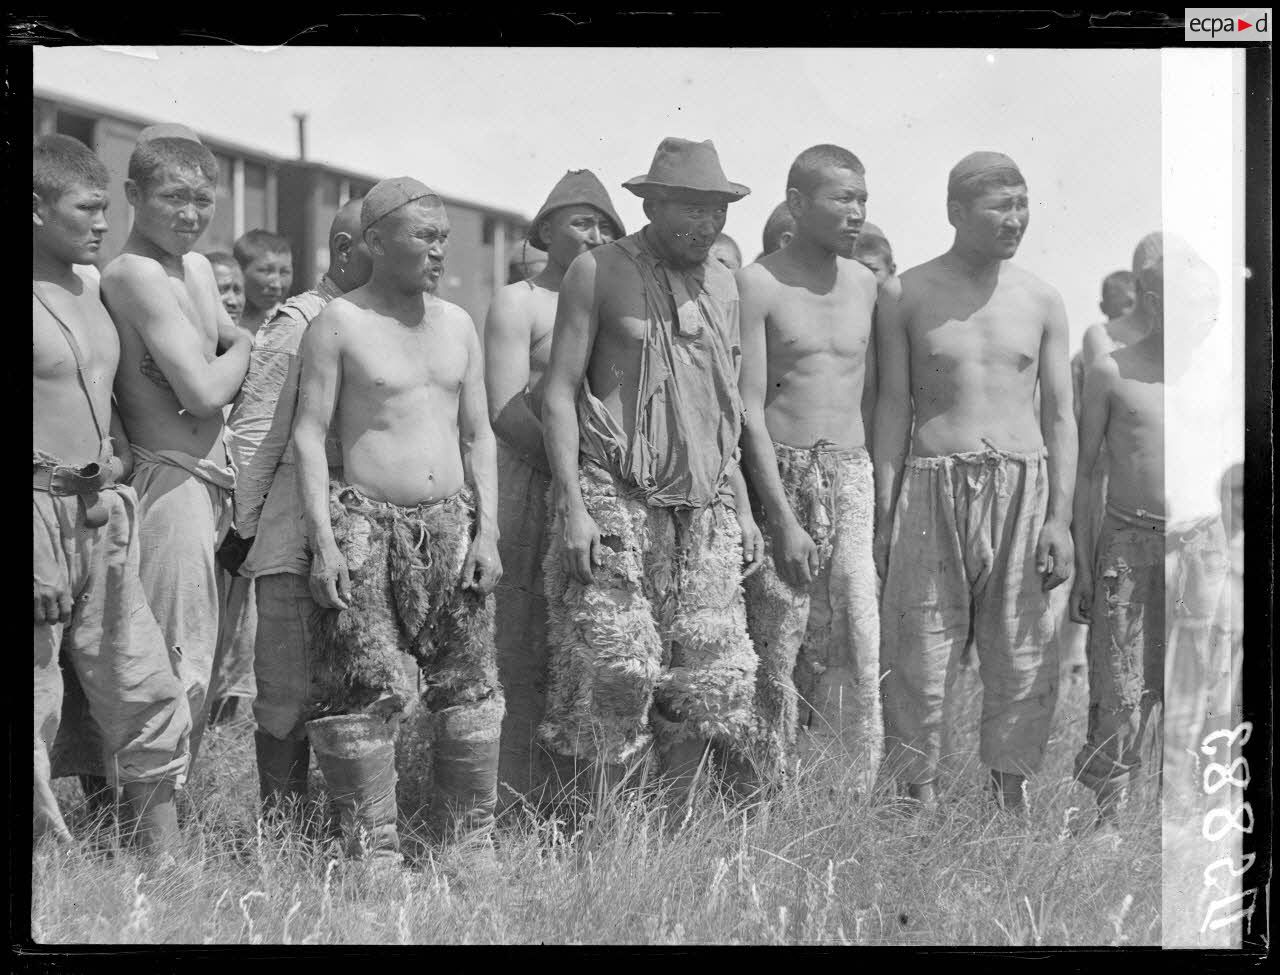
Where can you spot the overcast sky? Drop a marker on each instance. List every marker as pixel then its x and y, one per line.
pixel 501 125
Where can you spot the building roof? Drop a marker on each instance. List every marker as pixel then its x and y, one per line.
pixel 230 147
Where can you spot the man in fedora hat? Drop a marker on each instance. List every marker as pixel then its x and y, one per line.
pixel 983 498
pixel 578 216
pixel 808 384
pixel 403 545
pixel 647 638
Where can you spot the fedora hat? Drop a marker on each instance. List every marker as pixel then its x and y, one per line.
pixel 680 164
pixel 576 187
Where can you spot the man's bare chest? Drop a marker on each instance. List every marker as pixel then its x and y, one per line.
pixel 391 364
pixel 91 328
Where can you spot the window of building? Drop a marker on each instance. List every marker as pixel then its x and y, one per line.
pixel 77 126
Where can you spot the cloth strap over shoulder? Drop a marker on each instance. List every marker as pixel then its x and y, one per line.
pixel 76 354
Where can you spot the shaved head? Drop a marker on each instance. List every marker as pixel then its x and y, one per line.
pixel 347 220
pixel 349 262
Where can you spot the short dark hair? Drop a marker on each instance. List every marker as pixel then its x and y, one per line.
pixel 150 158
pixel 1119 279
pixel 59 162
pixel 222 259
pixel 868 245
pixel 257 242
pixel 804 172
pixel 780 222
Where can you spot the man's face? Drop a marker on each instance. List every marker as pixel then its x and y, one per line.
pixel 72 226
pixel 994 222
pixel 833 214
pixel 1117 299
pixel 879 265
pixel 575 229
pixel 411 244
pixel 230 280
pixel 727 255
pixel 687 226
pixel 174 209
pixel 267 280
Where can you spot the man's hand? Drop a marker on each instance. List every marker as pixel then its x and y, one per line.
pixel 581 551
pixel 483 568
pixel 149 369
pixel 330 581
pixel 795 555
pixel 1081 605
pixel 752 543
pixel 52 603
pixel 1054 554
pixel 233 551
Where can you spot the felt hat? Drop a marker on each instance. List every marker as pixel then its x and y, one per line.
pixel 578 186
pixel 391 194
pixel 167 130
pixel 680 164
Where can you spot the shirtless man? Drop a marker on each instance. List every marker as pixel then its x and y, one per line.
pixel 647 635
pixel 1157 533
pixel 808 380
pixel 88 598
pixel 172 386
pixel 268 512
pixel 577 216
pixel 979 510
pixel 399 547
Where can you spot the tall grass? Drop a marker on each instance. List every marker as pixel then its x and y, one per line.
pixel 813 865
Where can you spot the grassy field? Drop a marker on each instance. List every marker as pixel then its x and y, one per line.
pixel 814 865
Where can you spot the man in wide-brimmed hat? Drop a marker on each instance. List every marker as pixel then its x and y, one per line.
pixel 647 639
pixel 577 216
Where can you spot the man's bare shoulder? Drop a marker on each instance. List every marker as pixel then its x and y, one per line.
pixel 921 280
pixel 757 280
pixel 856 271
pixel 891 289
pixel 129 270
pixel 1019 277
pixel 454 318
pixel 514 304
pixel 336 319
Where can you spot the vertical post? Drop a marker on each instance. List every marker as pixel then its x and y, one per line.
pixel 301 118
pixel 499 254
pixel 272 207
pixel 237 198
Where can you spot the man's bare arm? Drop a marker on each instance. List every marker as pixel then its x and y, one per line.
pixel 1058 427
pixel 318 390
pixel 892 419
pixel 795 556
pixel 1094 415
pixel 507 333
pixel 482 568
pixel 138 294
pixel 120 444
pixel 577 321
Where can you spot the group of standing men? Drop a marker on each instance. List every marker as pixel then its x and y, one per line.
pixel 723 511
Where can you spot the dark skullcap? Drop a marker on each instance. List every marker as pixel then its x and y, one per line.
pixel 983 166
pixel 389 195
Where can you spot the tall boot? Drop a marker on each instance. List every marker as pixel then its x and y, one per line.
pixel 466 771
pixel 1009 790
pixel 356 753
pixel 154 821
pixel 98 796
pixel 282 770
pixel 683 758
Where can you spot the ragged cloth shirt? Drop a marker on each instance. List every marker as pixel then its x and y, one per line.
pixel 268 507
pixel 688 414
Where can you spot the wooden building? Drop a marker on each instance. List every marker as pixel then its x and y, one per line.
pixel 295 198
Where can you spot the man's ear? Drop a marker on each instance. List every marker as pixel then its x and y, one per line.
pixel 132 192
pixel 342 246
pixel 786 237
pixel 36 203
pixel 374 241
pixel 795 202
pixel 544 231
pixel 955 212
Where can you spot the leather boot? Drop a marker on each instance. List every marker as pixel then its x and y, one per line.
pixel 154 821
pixel 282 770
pixel 466 771
pixel 98 796
pixel 356 753
pixel 1010 791
pixel 683 759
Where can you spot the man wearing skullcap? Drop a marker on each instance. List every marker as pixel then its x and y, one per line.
pixel 647 634
pixel 576 217
pixel 404 544
pixel 808 385
pixel 972 523
pixel 182 360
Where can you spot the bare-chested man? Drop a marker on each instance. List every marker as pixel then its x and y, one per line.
pixel 400 548
pixel 808 379
pixel 172 386
pixel 268 513
pixel 1158 535
pixel 979 510
pixel 577 216
pixel 647 635
pixel 88 598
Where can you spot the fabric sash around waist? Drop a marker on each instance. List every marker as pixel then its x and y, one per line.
pixel 201 467
pixel 50 475
pixel 353 499
pixel 992 456
pixel 1141 518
